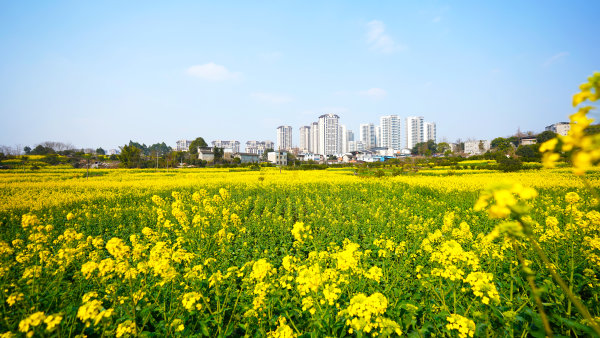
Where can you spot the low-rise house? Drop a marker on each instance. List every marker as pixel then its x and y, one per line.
pixel 365 157
pixel 348 158
pixel 310 157
pixel 525 141
pixel 247 157
pixel 206 154
pixel 228 154
pixel 277 157
pixel 477 147
pixel 383 151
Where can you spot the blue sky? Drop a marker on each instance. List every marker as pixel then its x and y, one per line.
pixel 98 74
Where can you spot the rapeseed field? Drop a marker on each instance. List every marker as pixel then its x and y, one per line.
pixel 209 252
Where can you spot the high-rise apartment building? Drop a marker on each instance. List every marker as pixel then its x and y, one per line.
pixel 355 146
pixel 305 139
pixel 430 132
pixel 183 145
pixel 346 136
pixel 390 132
pixel 314 138
pixel 414 131
pixel 259 147
pixel 368 135
pixel 233 146
pixel 329 134
pixel 284 138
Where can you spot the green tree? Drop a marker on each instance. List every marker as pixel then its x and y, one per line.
pixel 130 156
pixel 27 150
pixel 291 159
pixel 100 151
pixel 501 144
pixel 545 136
pixel 528 152
pixel 161 148
pixel 424 148
pixel 41 150
pixel 218 152
pixel 141 147
pixel 198 142
pixel 443 147
pixel 514 140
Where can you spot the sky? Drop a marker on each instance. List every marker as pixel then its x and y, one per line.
pixel 102 73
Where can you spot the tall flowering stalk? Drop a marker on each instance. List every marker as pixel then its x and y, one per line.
pixel 584 147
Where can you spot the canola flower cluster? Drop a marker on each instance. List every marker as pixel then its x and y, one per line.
pixel 583 145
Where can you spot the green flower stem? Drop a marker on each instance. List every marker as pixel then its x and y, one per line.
pixel 534 291
pixel 580 307
pixel 233 311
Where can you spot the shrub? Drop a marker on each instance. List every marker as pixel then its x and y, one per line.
pixel 510 164
pixel 379 173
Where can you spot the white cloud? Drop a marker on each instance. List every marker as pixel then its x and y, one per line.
pixel 375 93
pixel 380 41
pixel 271 98
pixel 555 58
pixel 437 19
pixel 213 72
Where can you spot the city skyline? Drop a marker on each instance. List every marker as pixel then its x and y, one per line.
pixel 388 134
pixel 101 74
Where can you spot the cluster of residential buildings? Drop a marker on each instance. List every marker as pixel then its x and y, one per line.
pixel 327 138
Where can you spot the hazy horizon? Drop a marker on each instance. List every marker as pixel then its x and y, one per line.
pixel 102 74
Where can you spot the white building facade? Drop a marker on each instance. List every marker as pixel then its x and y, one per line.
pixel 183 145
pixel 477 147
pixel 329 134
pixel 390 132
pixel 356 146
pixel 277 157
pixel 228 146
pixel 561 128
pixel 368 135
pixel 314 138
pixel 430 131
pixel 347 136
pixel 414 131
pixel 259 147
pixel 305 139
pixel 284 138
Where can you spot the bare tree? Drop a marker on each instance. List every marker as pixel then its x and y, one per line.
pixel 57 146
pixel 8 150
